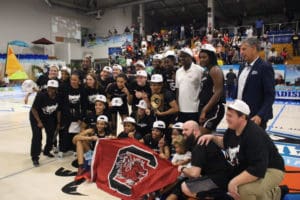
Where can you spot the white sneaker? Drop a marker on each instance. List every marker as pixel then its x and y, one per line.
pixel 60 154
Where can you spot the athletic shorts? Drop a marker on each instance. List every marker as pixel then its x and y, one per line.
pixel 213 117
pixel 201 185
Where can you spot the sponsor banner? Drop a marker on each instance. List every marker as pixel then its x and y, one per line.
pixel 116 40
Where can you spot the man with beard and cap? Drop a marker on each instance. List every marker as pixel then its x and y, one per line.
pixel 208 174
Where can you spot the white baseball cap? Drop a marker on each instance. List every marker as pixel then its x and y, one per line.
pixel 52 83
pixel 142 73
pixel 208 47
pixel 102 118
pixel 116 66
pixel 129 120
pixel 187 50
pixel 140 63
pixel 170 53
pixel 156 78
pixel 178 125
pixel 67 69
pixel 101 98
pixel 159 124
pixel 107 69
pixel 240 106
pixel 142 104
pixel 157 57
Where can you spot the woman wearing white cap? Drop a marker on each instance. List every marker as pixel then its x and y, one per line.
pixel 143 117
pixel 86 140
pixel 212 95
pixel 156 139
pixel 72 105
pixel 129 131
pixel 44 113
pixel 105 77
pixel 89 121
pixel 42 81
pixel 139 89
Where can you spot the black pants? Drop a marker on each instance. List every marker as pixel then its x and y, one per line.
pixel 183 117
pixel 36 141
pixel 65 139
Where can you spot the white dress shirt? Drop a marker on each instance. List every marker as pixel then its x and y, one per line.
pixel 242 79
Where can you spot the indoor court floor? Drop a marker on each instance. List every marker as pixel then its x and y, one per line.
pixel 20 180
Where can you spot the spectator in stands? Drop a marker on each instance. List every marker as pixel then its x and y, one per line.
pixel 212 94
pixel 284 54
pixel 295 43
pixel 209 172
pixel 249 32
pixel 273 56
pixel 256 78
pixel 266 45
pixel 258 168
pixel 259 23
pixel 230 84
pixel 127 30
pixel 188 81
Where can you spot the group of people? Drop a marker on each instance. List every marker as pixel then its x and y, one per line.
pixel 175 111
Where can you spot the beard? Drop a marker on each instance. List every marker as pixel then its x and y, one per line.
pixel 189 142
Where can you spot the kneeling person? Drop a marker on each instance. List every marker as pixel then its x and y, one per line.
pixel 86 140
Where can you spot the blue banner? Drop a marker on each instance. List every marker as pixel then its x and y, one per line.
pixel 110 41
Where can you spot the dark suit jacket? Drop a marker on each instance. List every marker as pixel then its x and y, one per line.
pixel 259 90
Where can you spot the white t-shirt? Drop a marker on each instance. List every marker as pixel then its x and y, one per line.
pixel 188 83
pixel 181 157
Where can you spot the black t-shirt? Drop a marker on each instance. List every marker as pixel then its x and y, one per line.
pixel 170 80
pixel 144 124
pixel 104 83
pixel 124 135
pixel 72 103
pixel 167 98
pixel 113 91
pixel 150 142
pixel 252 151
pixel 90 95
pixel 212 162
pixel 207 90
pixel 135 87
pixel 46 106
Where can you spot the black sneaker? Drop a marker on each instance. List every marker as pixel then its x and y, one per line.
pixel 36 163
pixel 50 155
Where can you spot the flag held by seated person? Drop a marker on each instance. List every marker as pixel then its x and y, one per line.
pixel 128 169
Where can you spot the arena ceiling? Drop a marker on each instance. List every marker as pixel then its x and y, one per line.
pixel 187 10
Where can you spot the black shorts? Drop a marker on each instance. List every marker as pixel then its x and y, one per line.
pixel 201 185
pixel 213 117
pixel 123 110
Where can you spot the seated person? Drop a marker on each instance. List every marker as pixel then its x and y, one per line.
pixel 209 169
pixel 87 138
pixel 156 141
pixel 258 168
pixel 176 131
pixel 144 118
pixel 129 129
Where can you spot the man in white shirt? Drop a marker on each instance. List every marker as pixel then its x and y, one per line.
pixel 188 80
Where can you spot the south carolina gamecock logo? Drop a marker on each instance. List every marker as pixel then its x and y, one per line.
pixel 131 166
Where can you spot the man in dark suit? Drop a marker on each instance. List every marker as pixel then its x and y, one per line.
pixel 256 83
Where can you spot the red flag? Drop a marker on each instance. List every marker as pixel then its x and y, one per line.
pixel 128 169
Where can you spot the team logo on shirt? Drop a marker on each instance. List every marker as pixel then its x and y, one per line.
pixel 131 166
pixel 231 155
pixel 48 110
pixel 92 98
pixel 74 99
